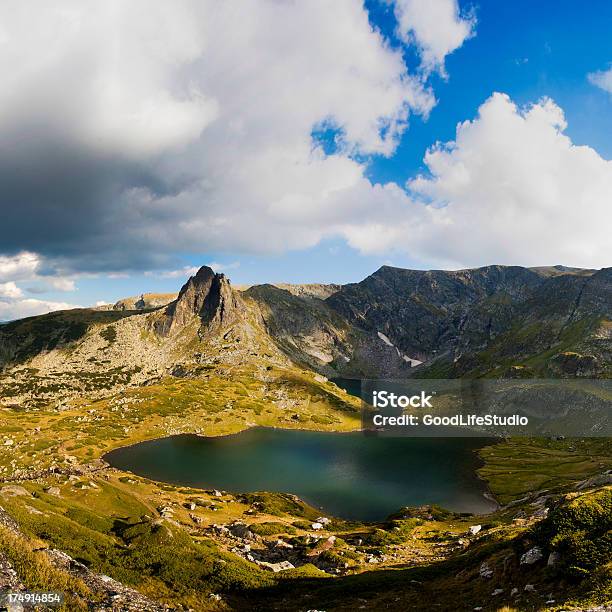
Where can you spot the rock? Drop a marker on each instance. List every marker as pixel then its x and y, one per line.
pixel 514 592
pixel 316 526
pixel 53 491
pixel 497 592
pixel 529 588
pixel 13 491
pixel 276 567
pixel 217 493
pixel 542 513
pixel 9 442
pixel 214 597
pixel 596 481
pixel 207 296
pixel 321 546
pixel 533 555
pixel 474 529
pixel 323 520
pixel 553 558
pixel 485 571
pixel 241 530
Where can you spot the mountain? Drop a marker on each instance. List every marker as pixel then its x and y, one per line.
pixel 206 296
pixel 145 301
pixel 494 321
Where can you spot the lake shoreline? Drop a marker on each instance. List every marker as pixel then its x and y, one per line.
pixel 469 474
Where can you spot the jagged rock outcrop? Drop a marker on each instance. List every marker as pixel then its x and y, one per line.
pixel 207 296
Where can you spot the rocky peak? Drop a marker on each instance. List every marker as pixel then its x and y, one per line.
pixel 206 295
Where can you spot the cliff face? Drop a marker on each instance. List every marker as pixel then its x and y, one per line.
pixel 423 312
pixel 207 296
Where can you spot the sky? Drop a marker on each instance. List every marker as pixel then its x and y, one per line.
pixel 282 141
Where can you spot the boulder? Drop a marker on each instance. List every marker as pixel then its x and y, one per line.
pixel 13 491
pixel 241 530
pixel 485 571
pixel 474 529
pixel 317 526
pixel 553 558
pixel 276 567
pixel 533 555
pixel 596 481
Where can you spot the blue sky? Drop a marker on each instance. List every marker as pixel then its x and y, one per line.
pixel 529 51
pixel 525 49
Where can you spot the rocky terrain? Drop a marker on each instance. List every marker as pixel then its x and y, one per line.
pixel 145 301
pixel 497 320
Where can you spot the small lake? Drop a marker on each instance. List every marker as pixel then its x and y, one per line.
pixel 351 475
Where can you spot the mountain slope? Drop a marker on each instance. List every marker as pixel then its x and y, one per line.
pixel 493 321
pixel 484 321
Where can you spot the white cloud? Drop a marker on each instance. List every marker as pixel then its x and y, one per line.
pixel 30 307
pixel 435 26
pixel 193 122
pixel 602 79
pixel 205 110
pixel 27 266
pixel 184 272
pixel 10 290
pixel 187 271
pixel 223 267
pixel 512 188
pixel 22 266
pixel 60 283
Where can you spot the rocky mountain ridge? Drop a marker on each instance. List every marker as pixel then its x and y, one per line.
pixel 494 321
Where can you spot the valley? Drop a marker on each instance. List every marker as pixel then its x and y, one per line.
pixel 215 361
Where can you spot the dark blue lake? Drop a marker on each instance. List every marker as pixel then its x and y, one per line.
pixel 345 474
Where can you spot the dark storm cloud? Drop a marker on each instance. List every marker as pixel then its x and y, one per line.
pixel 69 203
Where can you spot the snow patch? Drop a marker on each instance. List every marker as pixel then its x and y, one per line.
pixel 409 360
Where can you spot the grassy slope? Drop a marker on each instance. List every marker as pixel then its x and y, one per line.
pixel 111 512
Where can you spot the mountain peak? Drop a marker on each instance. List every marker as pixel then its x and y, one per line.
pixel 207 295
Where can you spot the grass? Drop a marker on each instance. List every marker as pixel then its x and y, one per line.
pixel 519 466
pixel 34 569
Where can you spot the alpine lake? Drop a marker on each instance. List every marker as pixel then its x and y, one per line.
pixel 351 475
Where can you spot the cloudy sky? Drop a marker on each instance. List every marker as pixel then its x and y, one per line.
pixel 296 141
